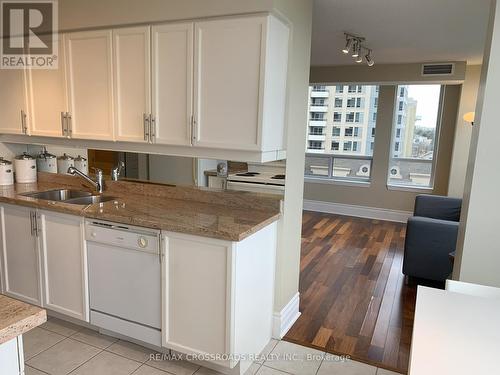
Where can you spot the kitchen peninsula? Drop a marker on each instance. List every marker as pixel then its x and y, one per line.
pixel 16 318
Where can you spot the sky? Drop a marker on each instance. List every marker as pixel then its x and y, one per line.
pixel 427 97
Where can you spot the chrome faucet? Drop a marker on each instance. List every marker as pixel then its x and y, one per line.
pixel 98 184
pixel 116 171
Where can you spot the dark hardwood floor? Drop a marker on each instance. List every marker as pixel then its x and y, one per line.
pixel 352 294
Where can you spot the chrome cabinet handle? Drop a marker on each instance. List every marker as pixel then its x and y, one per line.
pixel 24 127
pixel 35 220
pixel 193 128
pixel 69 124
pixel 146 127
pixel 152 124
pixel 63 124
pixel 32 224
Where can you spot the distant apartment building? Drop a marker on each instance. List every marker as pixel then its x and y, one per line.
pixel 342 119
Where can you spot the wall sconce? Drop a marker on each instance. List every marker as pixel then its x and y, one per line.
pixel 469 117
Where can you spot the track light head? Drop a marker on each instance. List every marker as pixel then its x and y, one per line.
pixel 348 45
pixel 356 49
pixel 359 59
pixel 368 58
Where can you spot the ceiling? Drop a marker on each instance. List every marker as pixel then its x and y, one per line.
pixel 401 31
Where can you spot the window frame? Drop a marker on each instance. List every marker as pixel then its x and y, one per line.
pixel 437 142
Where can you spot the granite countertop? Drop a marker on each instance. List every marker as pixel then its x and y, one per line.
pixel 17 317
pixel 202 218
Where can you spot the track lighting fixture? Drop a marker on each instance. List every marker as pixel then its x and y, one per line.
pixel 368 58
pixel 354 45
pixel 348 45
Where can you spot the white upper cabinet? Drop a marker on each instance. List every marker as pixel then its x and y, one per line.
pixel 172 83
pixel 240 83
pixel 132 79
pixel 13 102
pixel 90 84
pixel 48 104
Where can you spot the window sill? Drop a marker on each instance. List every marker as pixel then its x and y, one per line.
pixel 415 189
pixel 317 180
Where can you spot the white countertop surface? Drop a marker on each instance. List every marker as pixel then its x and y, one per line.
pixel 455 334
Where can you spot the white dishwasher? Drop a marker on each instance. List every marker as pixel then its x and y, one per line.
pixel 124 265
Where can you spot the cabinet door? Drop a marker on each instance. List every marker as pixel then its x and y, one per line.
pixel 64 264
pixel 132 78
pixel 48 98
pixel 20 257
pixel 172 83
pixel 13 102
pixel 228 82
pixel 197 292
pixel 90 84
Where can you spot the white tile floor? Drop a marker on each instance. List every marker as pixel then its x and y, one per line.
pixel 60 348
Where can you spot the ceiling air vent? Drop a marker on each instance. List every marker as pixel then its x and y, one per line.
pixel 438 69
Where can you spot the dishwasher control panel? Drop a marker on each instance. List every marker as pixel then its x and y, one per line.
pixel 119 235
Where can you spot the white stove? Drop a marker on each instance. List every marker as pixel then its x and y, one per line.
pixel 260 178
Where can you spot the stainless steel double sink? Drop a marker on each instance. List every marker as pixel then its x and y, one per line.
pixel 70 196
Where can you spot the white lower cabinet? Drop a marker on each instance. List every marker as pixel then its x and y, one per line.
pixel 20 255
pixel 12 357
pixel 218 296
pixel 64 264
pixel 44 259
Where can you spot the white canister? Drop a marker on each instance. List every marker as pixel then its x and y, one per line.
pixel 64 162
pixel 6 172
pixel 25 167
pixel 46 162
pixel 81 164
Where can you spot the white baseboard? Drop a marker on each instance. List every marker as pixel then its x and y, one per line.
pixel 284 319
pixel 358 211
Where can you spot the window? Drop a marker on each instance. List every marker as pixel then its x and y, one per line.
pixel 317 116
pixel 372 144
pixel 400 119
pixel 346 154
pixel 401 92
pixel 318 101
pixel 316 130
pixel 415 140
pixel 319 88
pixel 316 145
pixel 375 103
pixel 373 132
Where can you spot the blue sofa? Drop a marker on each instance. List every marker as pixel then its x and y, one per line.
pixel 431 235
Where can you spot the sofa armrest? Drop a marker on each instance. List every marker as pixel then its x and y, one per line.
pixel 438 207
pixel 427 245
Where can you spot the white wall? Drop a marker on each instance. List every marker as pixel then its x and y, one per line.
pixel 478 248
pixel 463 131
